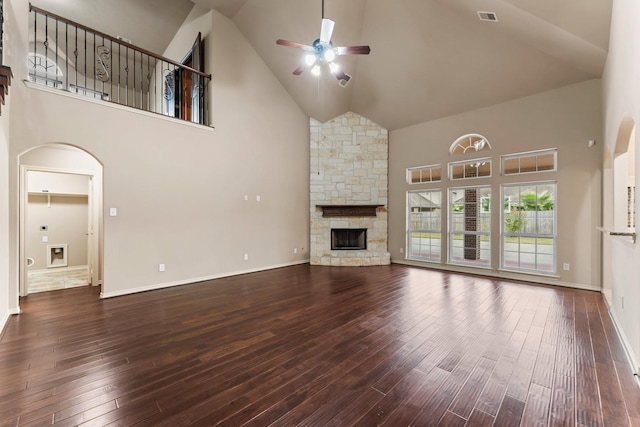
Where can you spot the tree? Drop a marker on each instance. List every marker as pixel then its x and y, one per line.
pixel 536 202
pixel 515 221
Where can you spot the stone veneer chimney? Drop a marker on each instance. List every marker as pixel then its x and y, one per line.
pixel 349 167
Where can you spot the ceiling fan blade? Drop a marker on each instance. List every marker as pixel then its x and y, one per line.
pixel 326 31
pixel 295 44
pixel 299 70
pixel 353 50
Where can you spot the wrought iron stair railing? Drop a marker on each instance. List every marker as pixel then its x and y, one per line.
pixel 69 56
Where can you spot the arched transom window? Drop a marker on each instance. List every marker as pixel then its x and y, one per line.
pixel 470 143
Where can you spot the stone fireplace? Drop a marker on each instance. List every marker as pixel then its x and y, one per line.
pixel 348 191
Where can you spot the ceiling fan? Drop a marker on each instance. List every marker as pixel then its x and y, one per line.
pixel 323 51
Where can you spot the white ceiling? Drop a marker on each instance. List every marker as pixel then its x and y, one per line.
pixel 429 58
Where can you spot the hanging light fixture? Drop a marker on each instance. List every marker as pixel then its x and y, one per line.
pixel 322 51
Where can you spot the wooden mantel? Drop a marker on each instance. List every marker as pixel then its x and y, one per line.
pixel 348 210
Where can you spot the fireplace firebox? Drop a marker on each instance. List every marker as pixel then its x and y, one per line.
pixel 348 239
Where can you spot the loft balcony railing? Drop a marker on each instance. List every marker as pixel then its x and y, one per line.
pixel 72 57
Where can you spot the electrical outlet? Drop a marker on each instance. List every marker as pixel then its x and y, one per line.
pixel 295 250
pixel 45 239
pixel 160 267
pixel 246 257
pixel 566 266
pixel 258 198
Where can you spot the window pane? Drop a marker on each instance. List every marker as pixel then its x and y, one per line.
pixel 484 169
pixel 436 174
pixel 546 162
pixel 511 166
pixel 470 171
pixel 457 172
pixel 528 228
pixel 424 174
pixel 424 225
pixel 470 237
pixel 528 164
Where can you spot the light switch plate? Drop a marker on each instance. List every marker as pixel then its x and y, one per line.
pixel 113 212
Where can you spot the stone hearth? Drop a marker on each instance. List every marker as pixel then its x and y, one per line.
pixel 349 184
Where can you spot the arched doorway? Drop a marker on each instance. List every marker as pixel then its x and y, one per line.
pixel 60 218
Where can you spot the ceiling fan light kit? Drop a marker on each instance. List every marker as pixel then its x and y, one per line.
pixel 323 51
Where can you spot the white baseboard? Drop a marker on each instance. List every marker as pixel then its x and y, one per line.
pixel 5 318
pixel 500 274
pixel 196 280
pixel 634 362
pixel 3 323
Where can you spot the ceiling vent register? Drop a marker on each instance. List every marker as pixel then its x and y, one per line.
pixel 488 16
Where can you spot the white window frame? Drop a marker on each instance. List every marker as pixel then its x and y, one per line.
pixel 429 169
pixel 554 236
pixel 409 251
pixel 451 232
pixel 528 154
pixel 470 142
pixel 470 162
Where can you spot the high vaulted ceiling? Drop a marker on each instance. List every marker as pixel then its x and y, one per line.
pixel 429 58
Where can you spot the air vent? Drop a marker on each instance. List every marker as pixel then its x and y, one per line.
pixel 488 16
pixel 344 81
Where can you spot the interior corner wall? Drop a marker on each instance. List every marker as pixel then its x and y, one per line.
pixel 621 100
pixel 565 119
pixel 179 189
pixel 4 220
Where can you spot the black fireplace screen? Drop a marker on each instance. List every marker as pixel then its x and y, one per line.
pixel 346 239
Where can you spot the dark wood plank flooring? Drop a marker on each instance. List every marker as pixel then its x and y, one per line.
pixel 319 346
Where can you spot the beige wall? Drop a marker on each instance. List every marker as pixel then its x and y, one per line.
pixel 564 119
pixel 179 189
pixel 621 93
pixel 5 304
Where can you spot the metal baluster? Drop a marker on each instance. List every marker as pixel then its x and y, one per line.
pixel 133 94
pixel 105 67
pixel 35 44
pixel 141 80
pixel 85 62
pixel 155 87
pixel 66 55
pixel 46 49
pixel 148 84
pixel 57 66
pixel 119 70
pixel 94 64
pixel 75 53
pixel 111 66
pixel 126 76
pixel 1 29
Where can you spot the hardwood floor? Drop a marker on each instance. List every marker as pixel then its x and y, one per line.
pixel 318 346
